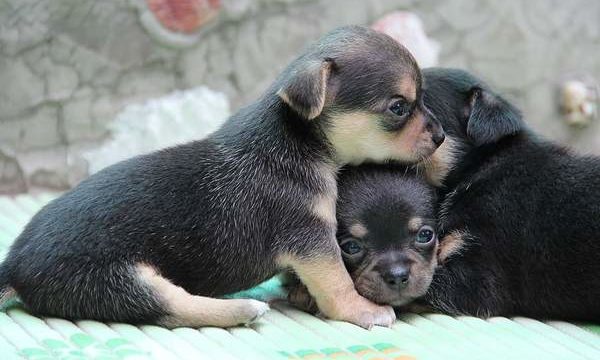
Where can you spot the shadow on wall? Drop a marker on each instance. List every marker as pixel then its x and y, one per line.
pixel 73 65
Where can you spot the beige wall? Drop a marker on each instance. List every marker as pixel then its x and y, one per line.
pixel 68 66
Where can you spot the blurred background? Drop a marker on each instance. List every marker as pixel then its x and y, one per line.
pixel 84 83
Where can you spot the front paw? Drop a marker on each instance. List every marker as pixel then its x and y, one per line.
pixel 364 313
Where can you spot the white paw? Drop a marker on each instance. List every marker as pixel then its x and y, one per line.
pixel 258 308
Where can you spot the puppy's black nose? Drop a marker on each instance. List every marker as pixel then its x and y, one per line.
pixel 396 277
pixel 438 138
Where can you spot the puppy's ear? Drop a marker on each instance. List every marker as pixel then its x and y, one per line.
pixel 305 89
pixel 491 118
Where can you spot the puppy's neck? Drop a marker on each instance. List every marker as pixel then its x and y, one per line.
pixel 474 159
pixel 269 128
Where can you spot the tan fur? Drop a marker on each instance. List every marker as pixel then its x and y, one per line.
pixel 421 273
pixel 323 207
pixel 358 230
pixel 330 284
pixel 324 73
pixel 439 164
pixel 323 204
pixel 408 88
pixel 358 137
pixel 414 224
pixel 451 244
pixel 195 311
pixel 328 172
pixel 286 99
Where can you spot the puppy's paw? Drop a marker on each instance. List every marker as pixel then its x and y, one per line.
pixel 382 316
pixel 249 310
pixel 299 297
pixel 366 314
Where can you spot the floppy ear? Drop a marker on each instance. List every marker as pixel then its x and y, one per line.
pixel 305 89
pixel 491 118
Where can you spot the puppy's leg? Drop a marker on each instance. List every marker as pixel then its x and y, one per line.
pixel 330 284
pixel 190 310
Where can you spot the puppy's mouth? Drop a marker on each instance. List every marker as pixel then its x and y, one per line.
pixel 373 288
pixel 427 149
pixel 437 165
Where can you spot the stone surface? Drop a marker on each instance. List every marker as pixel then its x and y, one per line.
pixel 11 176
pixel 21 88
pixel 40 130
pixel 67 67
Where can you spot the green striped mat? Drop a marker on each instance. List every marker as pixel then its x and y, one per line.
pixel 284 333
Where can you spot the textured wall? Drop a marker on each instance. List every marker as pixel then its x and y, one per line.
pixel 68 66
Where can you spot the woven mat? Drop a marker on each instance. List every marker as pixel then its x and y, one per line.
pixel 283 333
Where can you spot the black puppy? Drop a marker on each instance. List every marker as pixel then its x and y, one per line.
pixel 386 231
pixel 153 239
pixel 519 216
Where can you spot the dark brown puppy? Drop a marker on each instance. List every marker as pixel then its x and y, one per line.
pixel 155 238
pixel 386 231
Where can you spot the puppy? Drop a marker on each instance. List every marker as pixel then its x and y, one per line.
pixel 155 238
pixel 386 231
pixel 519 215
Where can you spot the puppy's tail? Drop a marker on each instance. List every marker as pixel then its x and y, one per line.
pixel 6 291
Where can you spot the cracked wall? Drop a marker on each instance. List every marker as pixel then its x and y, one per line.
pixel 67 67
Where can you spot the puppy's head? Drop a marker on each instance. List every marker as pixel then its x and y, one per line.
pixel 472 115
pixel 386 231
pixel 363 90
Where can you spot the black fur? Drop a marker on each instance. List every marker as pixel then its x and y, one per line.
pixel 211 216
pixel 530 208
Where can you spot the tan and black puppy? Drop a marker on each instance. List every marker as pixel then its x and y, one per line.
pixel 154 239
pixel 386 231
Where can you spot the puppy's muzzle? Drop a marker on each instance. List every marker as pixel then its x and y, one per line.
pixel 438 137
pixel 396 277
pixel 434 127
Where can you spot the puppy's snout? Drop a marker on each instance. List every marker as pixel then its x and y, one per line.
pixel 437 133
pixel 434 127
pixel 438 138
pixel 396 277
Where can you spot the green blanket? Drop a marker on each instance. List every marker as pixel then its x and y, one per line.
pixel 283 332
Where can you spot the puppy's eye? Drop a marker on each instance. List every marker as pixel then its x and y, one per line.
pixel 351 247
pixel 400 108
pixel 425 235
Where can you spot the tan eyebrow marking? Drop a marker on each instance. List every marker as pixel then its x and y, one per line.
pixel 414 224
pixel 358 230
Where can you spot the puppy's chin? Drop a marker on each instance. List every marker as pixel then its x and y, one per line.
pixel 440 162
pixel 425 152
pixel 375 290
